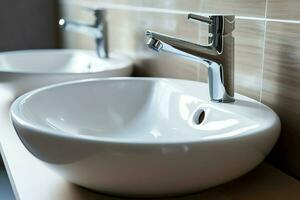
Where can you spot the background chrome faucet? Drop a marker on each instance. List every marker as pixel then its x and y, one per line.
pixel 98 30
pixel 218 55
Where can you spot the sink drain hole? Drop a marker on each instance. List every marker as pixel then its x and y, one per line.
pixel 199 117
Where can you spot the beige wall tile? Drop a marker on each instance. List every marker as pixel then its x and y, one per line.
pixel 249 41
pixel 284 9
pixel 253 8
pixel 281 88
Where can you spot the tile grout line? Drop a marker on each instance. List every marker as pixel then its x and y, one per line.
pixel 263 54
pixel 91 4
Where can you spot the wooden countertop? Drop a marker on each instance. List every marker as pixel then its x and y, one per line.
pixel 32 180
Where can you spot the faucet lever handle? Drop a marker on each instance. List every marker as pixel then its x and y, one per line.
pixel 200 18
pixel 98 12
pixel 218 24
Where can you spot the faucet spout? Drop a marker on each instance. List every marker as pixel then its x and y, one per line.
pixel 217 56
pixel 161 42
pixel 80 27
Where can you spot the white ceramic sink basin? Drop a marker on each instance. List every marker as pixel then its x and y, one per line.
pixel 30 69
pixel 143 136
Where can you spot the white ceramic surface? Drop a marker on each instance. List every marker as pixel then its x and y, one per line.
pixel 31 69
pixel 138 136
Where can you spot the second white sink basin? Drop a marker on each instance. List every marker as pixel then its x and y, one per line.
pixel 143 136
pixel 31 69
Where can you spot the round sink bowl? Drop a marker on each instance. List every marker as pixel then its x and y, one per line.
pixel 30 69
pixel 143 137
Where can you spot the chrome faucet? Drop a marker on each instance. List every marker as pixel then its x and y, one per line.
pixel 218 55
pixel 98 30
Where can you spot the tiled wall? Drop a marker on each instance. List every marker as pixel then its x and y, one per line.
pixel 267 53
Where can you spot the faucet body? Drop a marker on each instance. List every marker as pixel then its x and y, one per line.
pixel 98 30
pixel 218 55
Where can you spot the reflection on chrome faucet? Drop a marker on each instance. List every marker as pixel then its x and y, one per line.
pixel 98 30
pixel 218 55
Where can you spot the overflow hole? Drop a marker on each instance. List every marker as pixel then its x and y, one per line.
pixel 199 116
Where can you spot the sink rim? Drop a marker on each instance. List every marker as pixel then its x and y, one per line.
pixel 124 62
pixel 16 118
